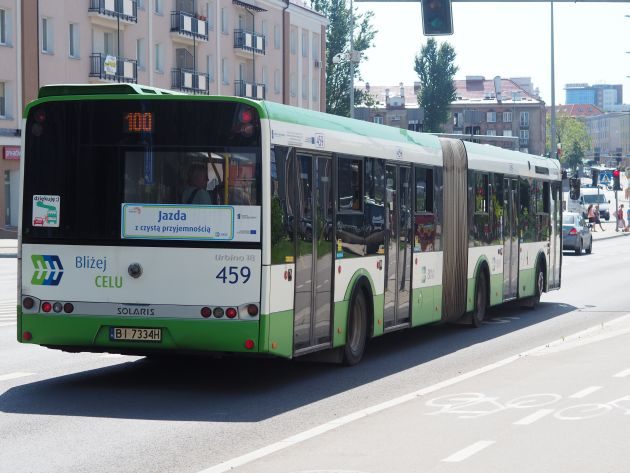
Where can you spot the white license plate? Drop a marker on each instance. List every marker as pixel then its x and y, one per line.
pixel 136 334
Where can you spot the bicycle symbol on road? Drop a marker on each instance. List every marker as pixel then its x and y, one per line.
pixel 475 405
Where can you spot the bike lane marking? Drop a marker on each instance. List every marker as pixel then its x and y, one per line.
pixel 298 438
pixel 469 451
pixel 585 392
pixel 530 419
pixel 622 374
pixel 6 377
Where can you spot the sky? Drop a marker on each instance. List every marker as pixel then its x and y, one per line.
pixel 508 40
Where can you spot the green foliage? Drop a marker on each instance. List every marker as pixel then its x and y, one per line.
pixel 338 41
pixel 572 133
pixel 436 68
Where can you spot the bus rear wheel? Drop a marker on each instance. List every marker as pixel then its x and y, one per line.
pixel 357 330
pixel 539 282
pixel 481 301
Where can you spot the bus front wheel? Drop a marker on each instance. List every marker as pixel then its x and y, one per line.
pixel 357 330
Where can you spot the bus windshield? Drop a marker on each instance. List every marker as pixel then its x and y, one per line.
pixel 142 169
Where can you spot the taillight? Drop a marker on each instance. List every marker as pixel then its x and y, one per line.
pixel 231 313
pixel 206 312
pixel 57 307
pixel 28 303
pixel 249 344
pixel 573 231
pixel 46 307
pixel 252 309
pixel 218 312
pixel 68 308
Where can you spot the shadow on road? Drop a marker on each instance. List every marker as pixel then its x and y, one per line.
pixel 249 390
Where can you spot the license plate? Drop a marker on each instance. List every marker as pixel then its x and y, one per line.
pixel 136 334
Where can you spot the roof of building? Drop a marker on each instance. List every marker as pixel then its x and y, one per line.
pixel 578 110
pixel 473 89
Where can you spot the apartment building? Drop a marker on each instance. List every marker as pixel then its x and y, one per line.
pixel 610 135
pixel 262 49
pixel 507 112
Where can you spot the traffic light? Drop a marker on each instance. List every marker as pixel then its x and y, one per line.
pixel 616 180
pixel 574 188
pixel 437 17
pixel 594 177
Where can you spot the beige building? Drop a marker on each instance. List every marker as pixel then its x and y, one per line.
pixel 610 135
pixel 264 49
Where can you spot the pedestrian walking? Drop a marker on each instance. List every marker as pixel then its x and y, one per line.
pixel 590 214
pixel 621 224
pixel 597 220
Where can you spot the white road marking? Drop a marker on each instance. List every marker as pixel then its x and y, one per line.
pixel 622 374
pixel 6 377
pixel 530 419
pixel 328 426
pixel 469 451
pixel 585 392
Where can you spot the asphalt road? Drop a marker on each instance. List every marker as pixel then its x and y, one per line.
pixel 99 413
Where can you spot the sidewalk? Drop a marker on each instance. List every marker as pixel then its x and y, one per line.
pixel 8 247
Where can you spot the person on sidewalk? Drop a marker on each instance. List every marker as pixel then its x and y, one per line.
pixel 590 214
pixel 627 228
pixel 597 220
pixel 621 224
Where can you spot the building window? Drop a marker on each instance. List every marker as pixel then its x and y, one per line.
pixel 507 132
pixel 276 81
pixel 523 136
pixel 378 119
pixel 73 38
pixel 315 48
pixel 210 67
pixel 141 53
pixel 293 83
pixel 491 117
pixel 277 37
pixel 210 15
pixel 491 133
pixel 265 74
pixel 293 41
pixel 3 100
pixel 305 87
pixel 108 43
pixel 315 89
pixel 4 26
pixel 47 36
pixel 458 119
pixel 224 21
pixel 304 43
pixel 159 7
pixel 225 72
pixel 264 27
pixel 507 117
pixel 159 57
pixel 524 118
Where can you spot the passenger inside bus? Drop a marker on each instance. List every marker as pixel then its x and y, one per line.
pixel 196 192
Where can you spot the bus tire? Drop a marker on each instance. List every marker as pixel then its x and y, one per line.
pixel 357 330
pixel 539 287
pixel 481 301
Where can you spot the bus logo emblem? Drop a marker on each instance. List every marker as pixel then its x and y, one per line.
pixel 48 270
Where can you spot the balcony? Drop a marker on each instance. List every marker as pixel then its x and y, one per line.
pixel 112 10
pixel 188 27
pixel 111 68
pixel 250 90
pixel 248 42
pixel 189 81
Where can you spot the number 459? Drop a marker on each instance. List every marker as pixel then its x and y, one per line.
pixel 234 274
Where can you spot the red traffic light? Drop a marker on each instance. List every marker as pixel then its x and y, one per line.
pixel 616 173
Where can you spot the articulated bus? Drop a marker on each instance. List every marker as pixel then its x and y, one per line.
pixel 154 222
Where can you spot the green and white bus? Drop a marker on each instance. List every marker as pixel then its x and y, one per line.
pixel 154 222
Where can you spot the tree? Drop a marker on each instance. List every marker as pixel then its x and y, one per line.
pixel 436 69
pixel 573 136
pixel 338 42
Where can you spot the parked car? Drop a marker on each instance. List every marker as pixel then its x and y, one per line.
pixel 576 234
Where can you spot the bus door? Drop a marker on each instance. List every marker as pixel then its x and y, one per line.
pixel 314 252
pixel 398 255
pixel 510 238
pixel 555 249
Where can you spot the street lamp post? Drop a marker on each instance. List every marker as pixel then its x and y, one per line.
pixel 351 60
pixel 553 152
